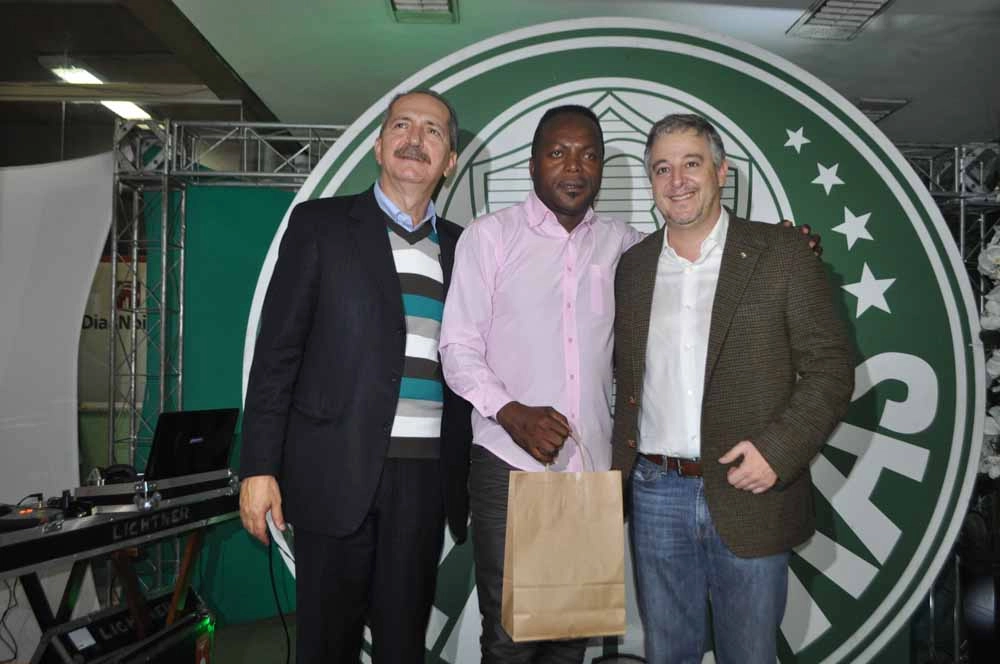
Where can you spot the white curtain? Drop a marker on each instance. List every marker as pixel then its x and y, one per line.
pixel 54 219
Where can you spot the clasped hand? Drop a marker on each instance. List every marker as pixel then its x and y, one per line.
pixel 540 430
pixel 753 473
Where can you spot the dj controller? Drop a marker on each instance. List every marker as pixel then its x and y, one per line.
pixel 19 517
pixel 110 519
pixel 100 519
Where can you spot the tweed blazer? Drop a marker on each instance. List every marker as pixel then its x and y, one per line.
pixel 779 372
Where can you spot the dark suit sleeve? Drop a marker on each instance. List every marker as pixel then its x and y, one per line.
pixel 286 320
pixel 823 357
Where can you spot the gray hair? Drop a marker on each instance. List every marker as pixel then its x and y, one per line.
pixel 685 122
pixel 452 116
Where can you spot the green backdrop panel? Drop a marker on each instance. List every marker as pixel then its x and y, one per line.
pixel 229 230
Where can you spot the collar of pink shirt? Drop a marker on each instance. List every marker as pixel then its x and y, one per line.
pixel 537 215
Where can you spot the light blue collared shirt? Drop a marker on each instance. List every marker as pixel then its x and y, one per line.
pixel 400 217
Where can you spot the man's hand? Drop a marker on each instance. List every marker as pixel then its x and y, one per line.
pixel 258 494
pixel 813 240
pixel 753 473
pixel 540 430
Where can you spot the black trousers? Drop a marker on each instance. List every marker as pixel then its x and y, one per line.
pixel 383 574
pixel 489 481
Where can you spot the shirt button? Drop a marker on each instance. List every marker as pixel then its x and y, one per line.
pixel 687 346
pixel 687 306
pixel 570 340
pixel 572 377
pixel 569 305
pixel 631 443
pixel 690 392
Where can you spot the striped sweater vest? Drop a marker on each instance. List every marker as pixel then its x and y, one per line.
pixel 416 429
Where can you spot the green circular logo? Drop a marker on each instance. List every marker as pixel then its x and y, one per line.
pixel 892 485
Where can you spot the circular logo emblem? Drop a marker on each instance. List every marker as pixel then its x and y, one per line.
pixel 893 482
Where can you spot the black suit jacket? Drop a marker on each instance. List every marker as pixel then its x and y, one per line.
pixel 326 369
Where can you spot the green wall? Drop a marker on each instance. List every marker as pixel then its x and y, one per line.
pixel 229 231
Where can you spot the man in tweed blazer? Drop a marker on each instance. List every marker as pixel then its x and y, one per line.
pixel 733 368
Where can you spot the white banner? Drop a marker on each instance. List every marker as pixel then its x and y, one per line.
pixel 54 219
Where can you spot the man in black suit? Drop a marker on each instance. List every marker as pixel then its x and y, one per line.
pixel 349 428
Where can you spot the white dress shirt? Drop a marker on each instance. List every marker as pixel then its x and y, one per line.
pixel 677 347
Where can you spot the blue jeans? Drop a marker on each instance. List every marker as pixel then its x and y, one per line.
pixel 681 562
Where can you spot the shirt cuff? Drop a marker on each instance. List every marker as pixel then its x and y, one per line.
pixel 493 400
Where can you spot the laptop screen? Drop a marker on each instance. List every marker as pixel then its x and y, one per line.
pixel 191 441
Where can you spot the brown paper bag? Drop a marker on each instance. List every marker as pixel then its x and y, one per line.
pixel 564 556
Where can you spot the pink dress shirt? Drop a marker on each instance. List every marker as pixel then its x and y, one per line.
pixel 529 317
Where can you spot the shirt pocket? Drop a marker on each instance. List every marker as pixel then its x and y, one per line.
pixel 602 294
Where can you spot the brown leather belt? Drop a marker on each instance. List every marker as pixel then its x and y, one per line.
pixel 684 467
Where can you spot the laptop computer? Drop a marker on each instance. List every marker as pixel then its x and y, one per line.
pixel 191 441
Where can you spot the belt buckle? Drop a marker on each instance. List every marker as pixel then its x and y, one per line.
pixel 680 466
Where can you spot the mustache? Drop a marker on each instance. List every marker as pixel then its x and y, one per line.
pixel 412 152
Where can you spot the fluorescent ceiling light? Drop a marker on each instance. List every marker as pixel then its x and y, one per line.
pixel 126 110
pixel 424 11
pixel 80 76
pixel 837 19
pixel 421 5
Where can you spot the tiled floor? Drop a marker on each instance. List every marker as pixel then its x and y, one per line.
pixel 261 642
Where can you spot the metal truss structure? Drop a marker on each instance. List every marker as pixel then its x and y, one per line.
pixel 244 153
pixel 965 183
pixel 154 163
pixel 146 248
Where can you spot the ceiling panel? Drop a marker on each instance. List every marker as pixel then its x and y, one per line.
pixel 328 60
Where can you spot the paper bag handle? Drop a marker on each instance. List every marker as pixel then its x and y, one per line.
pixel 585 453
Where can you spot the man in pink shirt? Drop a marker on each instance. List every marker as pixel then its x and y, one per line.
pixel 527 339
